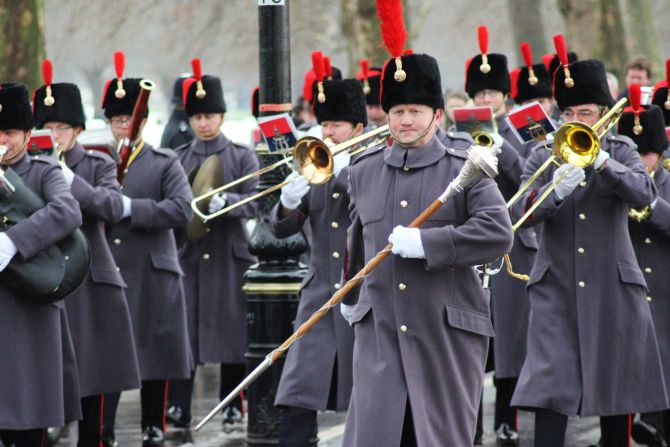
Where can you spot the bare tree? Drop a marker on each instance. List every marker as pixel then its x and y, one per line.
pixel 22 43
pixel 528 26
pixel 642 31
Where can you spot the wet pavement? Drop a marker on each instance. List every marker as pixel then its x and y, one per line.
pixel 581 432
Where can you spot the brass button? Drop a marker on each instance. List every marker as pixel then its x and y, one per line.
pixel 581 284
pixel 580 250
pixel 336 255
pixel 205 256
pixel 649 299
pixel 582 184
pixel 67 258
pixel 582 216
pixel 647 240
pixel 118 269
pixel 403 328
pixel 334 225
pixel 337 286
pixel 336 195
pixel 647 269
pixel 403 203
pixel 117 241
pixel 402 286
pixel 450 134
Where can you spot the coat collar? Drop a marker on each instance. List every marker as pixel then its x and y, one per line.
pixel 661 175
pixel 210 147
pixel 419 157
pixel 22 166
pixel 74 155
pixel 502 123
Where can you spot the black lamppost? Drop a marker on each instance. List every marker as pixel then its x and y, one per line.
pixel 271 285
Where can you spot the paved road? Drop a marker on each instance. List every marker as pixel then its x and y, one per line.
pixel 581 433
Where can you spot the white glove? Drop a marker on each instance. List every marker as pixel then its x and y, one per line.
pixel 67 173
pixel 573 176
pixel 7 250
pixel 497 139
pixel 407 242
pixel 126 206
pixel 602 158
pixel 217 202
pixel 294 191
pixel 347 312
pixel 340 161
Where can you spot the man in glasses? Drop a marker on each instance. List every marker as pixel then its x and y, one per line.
pixel 592 348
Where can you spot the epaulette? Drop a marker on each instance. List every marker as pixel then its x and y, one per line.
pixel 242 146
pixel 458 152
pixel 369 152
pixel 97 154
pixel 621 139
pixel 44 159
pixel 458 135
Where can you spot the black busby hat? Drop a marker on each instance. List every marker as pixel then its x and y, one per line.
pixel 15 110
pixel 203 93
pixel 643 124
pixel 526 91
pixel 57 102
pixel 370 77
pixel 345 101
pixel 486 71
pixel 661 94
pixel 119 95
pixel 589 85
pixel 422 85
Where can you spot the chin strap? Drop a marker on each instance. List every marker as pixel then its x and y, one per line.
pixel 417 139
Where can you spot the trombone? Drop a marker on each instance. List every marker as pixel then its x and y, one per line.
pixel 574 143
pixel 311 157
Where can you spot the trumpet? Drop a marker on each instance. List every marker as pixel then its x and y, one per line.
pixel 574 143
pixel 482 138
pixel 311 157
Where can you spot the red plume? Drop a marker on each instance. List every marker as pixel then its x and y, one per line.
pixel 527 53
pixel 327 68
pixel 365 68
pixel 317 65
pixel 561 49
pixel 407 52
pixel 667 71
pixel 546 60
pixel 196 65
pixel 393 29
pixel 119 63
pixel 483 36
pixel 635 97
pixel 47 72
pixel 188 82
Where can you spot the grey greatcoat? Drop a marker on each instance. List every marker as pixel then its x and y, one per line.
pixel 39 386
pixel 651 241
pixel 98 314
pixel 214 266
pixel 145 251
pixel 422 326
pixel 509 300
pixel 308 372
pixel 592 346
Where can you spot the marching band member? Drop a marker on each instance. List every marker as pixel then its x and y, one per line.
pixel 98 311
pixel 317 374
pixel 591 337
pixel 370 77
pixel 421 319
pixel 488 84
pixel 214 266
pixel 156 199
pixel 40 386
pixel 651 240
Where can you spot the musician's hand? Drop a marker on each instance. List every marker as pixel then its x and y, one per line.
pixel 407 242
pixel 217 202
pixel 570 176
pixel 497 139
pixel 67 173
pixel 347 312
pixel 127 209
pixel 340 161
pixel 7 250
pixel 601 159
pixel 292 194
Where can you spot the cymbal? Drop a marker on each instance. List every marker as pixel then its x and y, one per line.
pixel 208 177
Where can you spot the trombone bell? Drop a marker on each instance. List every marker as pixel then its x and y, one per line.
pixel 577 144
pixel 312 158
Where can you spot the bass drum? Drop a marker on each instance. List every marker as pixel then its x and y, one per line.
pixel 53 273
